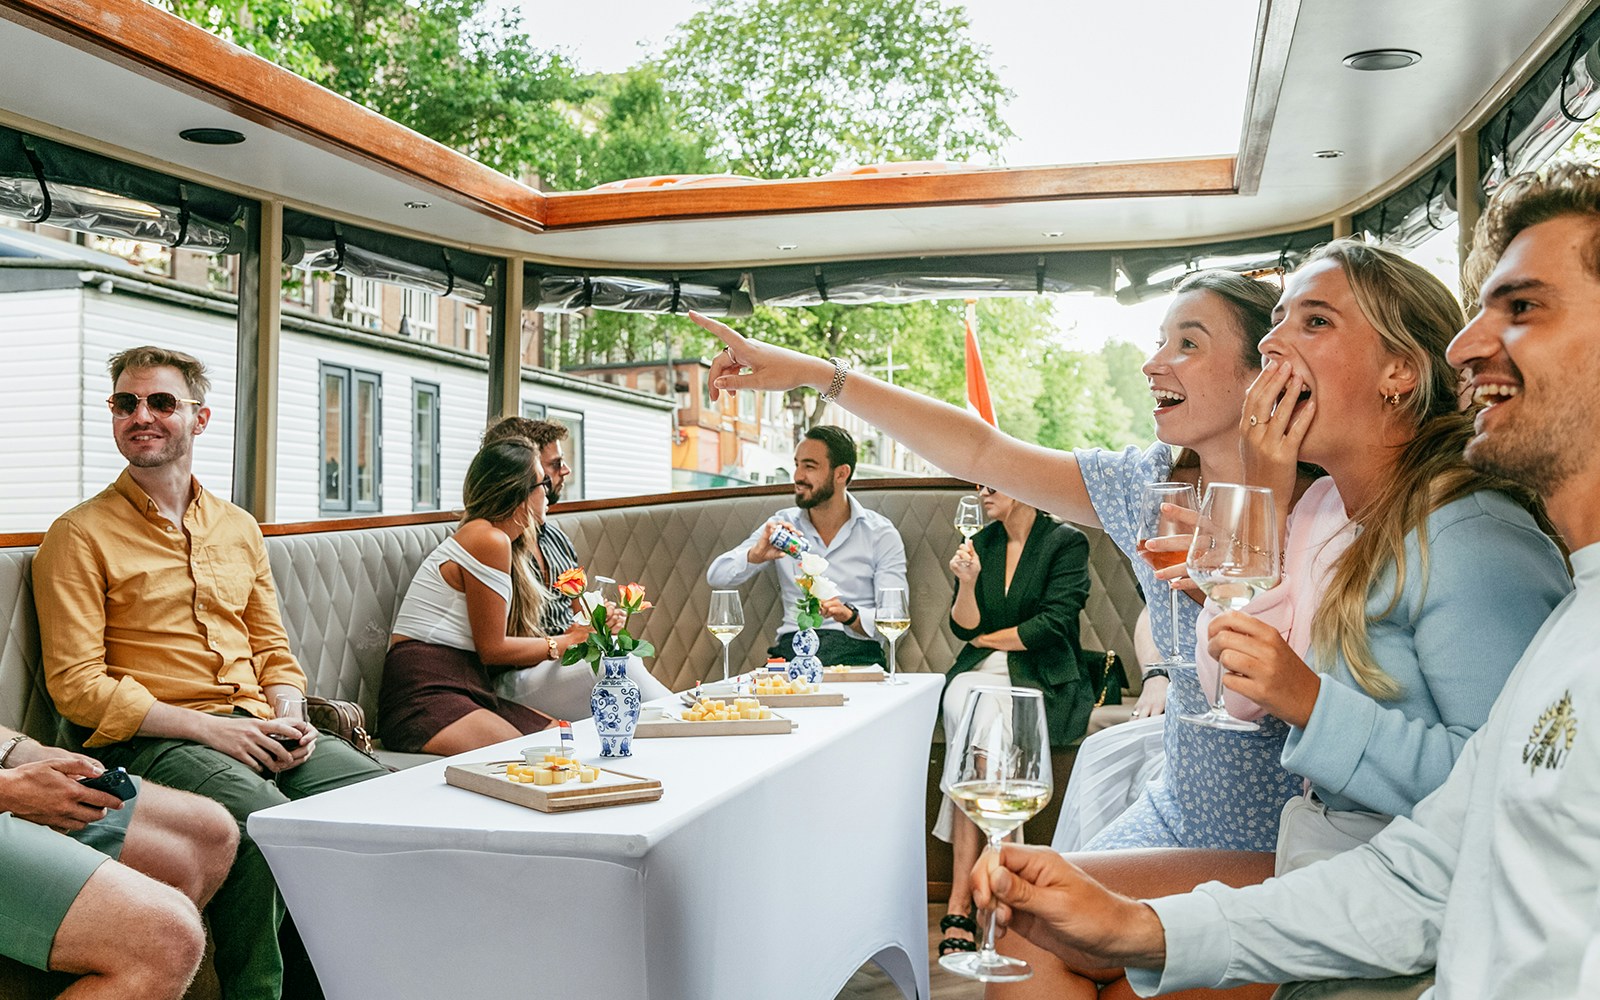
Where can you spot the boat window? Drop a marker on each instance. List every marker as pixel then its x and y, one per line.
pixel 424 445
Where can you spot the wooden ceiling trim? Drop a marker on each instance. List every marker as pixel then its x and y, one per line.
pixel 158 45
pixel 1157 178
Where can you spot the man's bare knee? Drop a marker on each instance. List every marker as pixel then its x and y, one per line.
pixel 93 940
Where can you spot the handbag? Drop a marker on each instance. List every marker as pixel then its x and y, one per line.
pixel 1106 676
pixel 1308 831
pixel 344 719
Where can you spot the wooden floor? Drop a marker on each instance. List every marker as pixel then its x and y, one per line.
pixel 869 983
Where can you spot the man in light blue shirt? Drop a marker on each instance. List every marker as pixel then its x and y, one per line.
pixel 863 549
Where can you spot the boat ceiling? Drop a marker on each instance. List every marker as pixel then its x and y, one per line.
pixel 123 78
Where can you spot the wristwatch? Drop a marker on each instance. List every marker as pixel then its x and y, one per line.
pixel 1155 672
pixel 10 745
pixel 855 615
pixel 840 368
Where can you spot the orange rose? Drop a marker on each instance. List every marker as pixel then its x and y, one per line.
pixel 631 597
pixel 572 582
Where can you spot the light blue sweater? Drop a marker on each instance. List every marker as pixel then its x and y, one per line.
pixel 1493 577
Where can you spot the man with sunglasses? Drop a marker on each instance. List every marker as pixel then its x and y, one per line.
pixel 163 646
pixel 551 688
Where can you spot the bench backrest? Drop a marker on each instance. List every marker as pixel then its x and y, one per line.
pixel 339 590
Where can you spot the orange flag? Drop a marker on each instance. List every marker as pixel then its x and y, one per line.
pixel 977 381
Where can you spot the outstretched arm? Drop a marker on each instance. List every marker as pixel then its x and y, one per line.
pixel 956 441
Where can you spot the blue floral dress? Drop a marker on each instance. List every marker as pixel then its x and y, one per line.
pixel 1221 789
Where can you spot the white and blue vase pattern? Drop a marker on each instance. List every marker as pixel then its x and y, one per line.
pixel 805 665
pixel 615 706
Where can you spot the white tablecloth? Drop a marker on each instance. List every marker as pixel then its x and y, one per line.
pixel 772 867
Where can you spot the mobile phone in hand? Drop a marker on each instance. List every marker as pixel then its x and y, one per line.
pixel 114 781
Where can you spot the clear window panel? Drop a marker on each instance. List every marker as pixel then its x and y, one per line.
pixel 425 446
pixel 334 462
pixel 366 435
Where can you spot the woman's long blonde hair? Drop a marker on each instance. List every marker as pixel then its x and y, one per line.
pixel 499 481
pixel 1415 316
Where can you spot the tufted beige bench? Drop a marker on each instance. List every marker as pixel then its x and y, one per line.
pixel 339 585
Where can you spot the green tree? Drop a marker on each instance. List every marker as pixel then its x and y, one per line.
pixel 790 88
pixel 1124 364
pixel 1076 411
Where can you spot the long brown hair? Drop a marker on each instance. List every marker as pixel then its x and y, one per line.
pixel 1415 316
pixel 501 478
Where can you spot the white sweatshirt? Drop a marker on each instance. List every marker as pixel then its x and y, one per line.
pixel 1494 876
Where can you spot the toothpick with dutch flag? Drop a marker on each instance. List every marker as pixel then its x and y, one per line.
pixel 978 400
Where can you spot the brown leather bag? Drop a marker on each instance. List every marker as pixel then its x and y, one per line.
pixel 344 719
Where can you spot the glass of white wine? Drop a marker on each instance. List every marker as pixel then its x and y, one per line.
pixel 1233 558
pixel 893 618
pixel 1154 522
pixel 725 620
pixel 969 516
pixel 997 769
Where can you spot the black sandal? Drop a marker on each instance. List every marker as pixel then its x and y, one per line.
pixel 960 922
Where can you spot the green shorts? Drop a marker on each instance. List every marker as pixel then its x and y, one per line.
pixel 42 872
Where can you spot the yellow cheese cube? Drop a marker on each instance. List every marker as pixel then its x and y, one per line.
pixel 544 776
pixel 588 774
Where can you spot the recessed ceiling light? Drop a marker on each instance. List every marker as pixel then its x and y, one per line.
pixel 1054 234
pixel 212 136
pixel 788 246
pixel 1328 154
pixel 419 204
pixel 1378 60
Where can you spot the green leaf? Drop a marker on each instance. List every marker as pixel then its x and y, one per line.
pixel 598 619
pixel 574 654
pixel 644 649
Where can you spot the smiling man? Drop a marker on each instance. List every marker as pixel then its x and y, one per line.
pixel 863 549
pixel 1493 877
pixel 162 643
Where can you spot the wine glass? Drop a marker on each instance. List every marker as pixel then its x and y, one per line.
pixel 969 516
pixel 725 620
pixel 1153 523
pixel 893 618
pixel 1233 558
pixel 291 708
pixel 997 769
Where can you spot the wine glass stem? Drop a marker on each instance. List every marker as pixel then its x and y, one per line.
pixel 1173 596
pixel 986 954
pixel 892 643
pixel 724 661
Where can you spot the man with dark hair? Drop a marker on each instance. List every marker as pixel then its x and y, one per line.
pixel 863 549
pixel 1493 878
pixel 558 690
pixel 162 643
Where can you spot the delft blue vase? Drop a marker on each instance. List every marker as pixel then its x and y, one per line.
pixel 615 706
pixel 805 665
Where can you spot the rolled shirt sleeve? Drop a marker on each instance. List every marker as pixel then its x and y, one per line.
pixel 733 568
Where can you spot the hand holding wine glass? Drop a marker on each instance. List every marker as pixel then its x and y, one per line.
pixel 997 769
pixel 893 618
pixel 725 620
pixel 1233 558
pixel 1156 521
pixel 969 516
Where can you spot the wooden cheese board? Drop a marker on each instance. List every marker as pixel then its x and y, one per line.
pixel 611 788
pixel 811 699
pixel 845 675
pixel 670 726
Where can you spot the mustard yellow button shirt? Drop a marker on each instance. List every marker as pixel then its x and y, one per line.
pixel 131 613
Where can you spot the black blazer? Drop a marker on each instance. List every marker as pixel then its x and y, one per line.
pixel 1047 594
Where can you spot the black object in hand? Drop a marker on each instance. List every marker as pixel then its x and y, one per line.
pixel 114 781
pixel 290 743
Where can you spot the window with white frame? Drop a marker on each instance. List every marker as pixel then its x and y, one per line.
pixel 352 440
pixel 469 328
pixel 421 312
pixel 363 303
pixel 424 445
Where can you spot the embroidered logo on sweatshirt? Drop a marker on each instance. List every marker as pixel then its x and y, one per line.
pixel 1552 736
